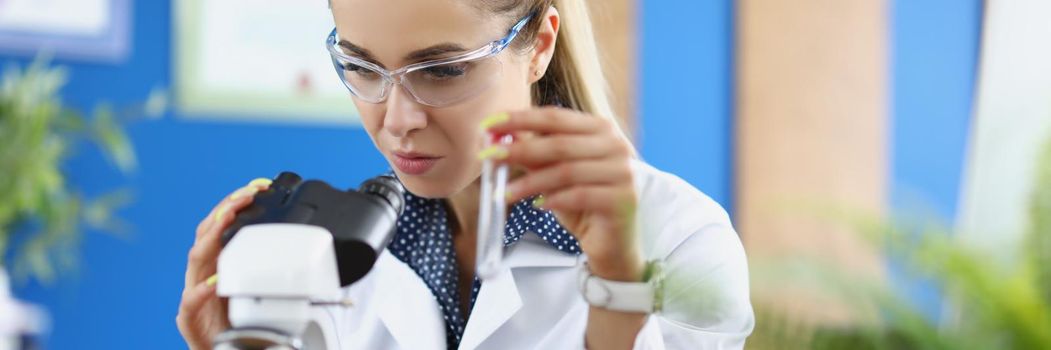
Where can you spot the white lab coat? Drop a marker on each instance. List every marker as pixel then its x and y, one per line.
pixel 534 303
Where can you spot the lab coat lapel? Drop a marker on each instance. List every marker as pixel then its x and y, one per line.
pixel 406 307
pixel 498 300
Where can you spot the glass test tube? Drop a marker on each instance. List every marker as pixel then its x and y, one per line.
pixel 492 216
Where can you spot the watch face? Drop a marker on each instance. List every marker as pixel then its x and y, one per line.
pixel 597 293
pixel 593 291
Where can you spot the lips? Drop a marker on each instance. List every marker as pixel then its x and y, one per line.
pixel 414 163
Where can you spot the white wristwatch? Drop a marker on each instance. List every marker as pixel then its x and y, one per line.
pixel 643 297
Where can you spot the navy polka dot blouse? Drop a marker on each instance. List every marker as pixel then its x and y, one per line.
pixel 424 242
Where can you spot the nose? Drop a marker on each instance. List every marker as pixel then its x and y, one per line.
pixel 404 114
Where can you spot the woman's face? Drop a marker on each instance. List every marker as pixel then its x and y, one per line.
pixel 432 149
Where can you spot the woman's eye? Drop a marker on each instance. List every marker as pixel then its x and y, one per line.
pixel 360 71
pixel 445 71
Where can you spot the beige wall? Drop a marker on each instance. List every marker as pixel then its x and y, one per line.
pixel 811 126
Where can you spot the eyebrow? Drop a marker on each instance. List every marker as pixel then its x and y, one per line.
pixel 433 51
pixel 415 56
pixel 357 50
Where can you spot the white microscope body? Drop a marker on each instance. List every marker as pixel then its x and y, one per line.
pixel 19 321
pixel 287 256
pixel 279 278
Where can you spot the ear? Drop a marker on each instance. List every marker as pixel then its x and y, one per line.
pixel 544 49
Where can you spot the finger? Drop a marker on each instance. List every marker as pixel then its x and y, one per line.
pixel 200 262
pixel 249 190
pixel 202 257
pixel 253 187
pixel 568 174
pixel 189 318
pixel 549 120
pixel 193 299
pixel 614 201
pixel 542 151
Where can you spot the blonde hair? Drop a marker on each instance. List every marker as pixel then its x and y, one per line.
pixel 574 78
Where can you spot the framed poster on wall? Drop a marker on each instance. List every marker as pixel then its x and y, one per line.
pixel 87 30
pixel 237 59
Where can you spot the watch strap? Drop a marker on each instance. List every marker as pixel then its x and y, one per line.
pixel 618 295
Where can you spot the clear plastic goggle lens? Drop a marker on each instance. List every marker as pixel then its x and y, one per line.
pixel 363 82
pixel 437 85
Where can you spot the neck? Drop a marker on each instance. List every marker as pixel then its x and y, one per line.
pixel 464 207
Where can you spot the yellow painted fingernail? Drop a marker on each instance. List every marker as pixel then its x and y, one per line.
pixel 212 280
pixel 538 202
pixel 261 182
pixel 494 119
pixel 493 152
pixel 221 213
pixel 242 192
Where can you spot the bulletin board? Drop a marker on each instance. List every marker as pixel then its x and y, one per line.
pixel 85 30
pixel 237 59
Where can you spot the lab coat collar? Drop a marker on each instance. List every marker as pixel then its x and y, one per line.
pixel 499 300
pixel 406 306
pixel 532 251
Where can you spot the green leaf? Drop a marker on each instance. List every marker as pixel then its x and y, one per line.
pixel 99 213
pixel 113 140
pixel 1039 235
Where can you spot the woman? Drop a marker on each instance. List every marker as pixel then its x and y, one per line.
pixel 432 79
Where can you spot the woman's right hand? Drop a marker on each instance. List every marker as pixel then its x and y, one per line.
pixel 202 314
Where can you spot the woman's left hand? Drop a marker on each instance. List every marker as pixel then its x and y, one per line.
pixel 581 165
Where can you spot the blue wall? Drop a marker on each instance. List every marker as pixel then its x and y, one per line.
pixel 686 95
pixel 934 63
pixel 128 290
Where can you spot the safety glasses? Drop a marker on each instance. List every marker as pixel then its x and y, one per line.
pixel 436 83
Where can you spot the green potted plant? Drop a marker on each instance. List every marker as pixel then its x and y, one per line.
pixel 998 304
pixel 41 214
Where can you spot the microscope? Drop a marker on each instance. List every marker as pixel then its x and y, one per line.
pixel 287 255
pixel 21 323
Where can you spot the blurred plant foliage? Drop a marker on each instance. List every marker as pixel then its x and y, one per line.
pixel 996 302
pixel 41 215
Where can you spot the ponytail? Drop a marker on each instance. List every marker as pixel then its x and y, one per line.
pixel 574 78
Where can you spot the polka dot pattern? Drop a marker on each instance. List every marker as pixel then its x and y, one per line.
pixel 424 242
